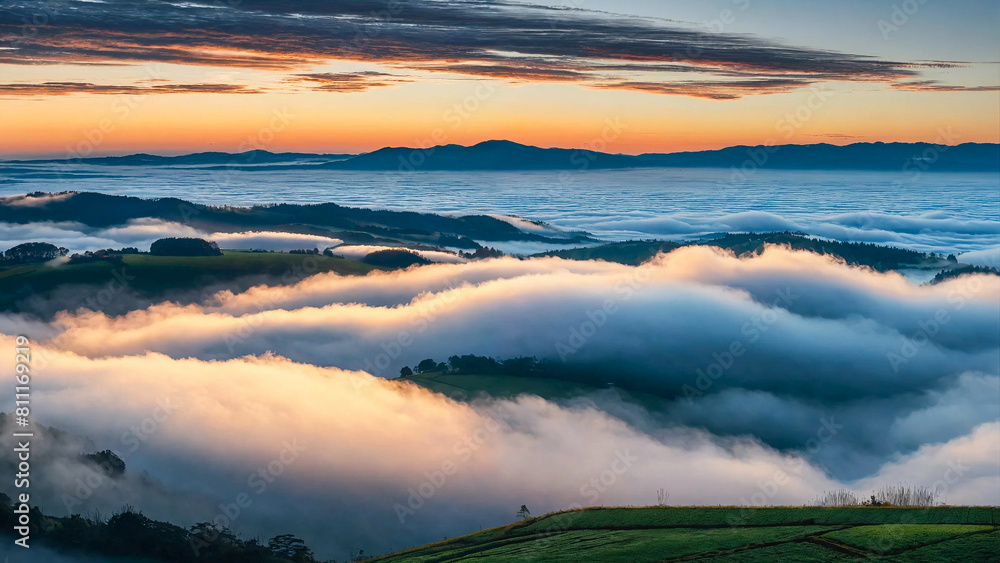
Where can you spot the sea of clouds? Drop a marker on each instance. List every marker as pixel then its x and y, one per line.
pixel 778 377
pixel 926 232
pixel 141 233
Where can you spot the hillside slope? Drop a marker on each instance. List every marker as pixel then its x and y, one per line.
pixel 724 534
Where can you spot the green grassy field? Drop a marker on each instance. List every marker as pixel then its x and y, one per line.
pixel 463 386
pixel 889 538
pixel 155 275
pixel 730 534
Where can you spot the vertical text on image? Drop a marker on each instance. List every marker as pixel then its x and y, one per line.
pixel 22 417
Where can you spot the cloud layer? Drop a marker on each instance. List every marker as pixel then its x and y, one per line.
pixel 387 465
pixel 141 233
pixel 64 88
pixel 785 334
pixel 510 40
pixel 778 376
pixel 927 232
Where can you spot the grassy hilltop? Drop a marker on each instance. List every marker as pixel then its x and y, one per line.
pixel 730 534
pixel 154 277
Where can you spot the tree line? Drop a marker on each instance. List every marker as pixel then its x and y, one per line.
pixel 128 533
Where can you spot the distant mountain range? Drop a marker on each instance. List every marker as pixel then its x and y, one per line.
pixel 507 155
pixel 246 158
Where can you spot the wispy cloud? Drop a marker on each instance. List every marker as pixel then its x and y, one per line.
pixel 348 81
pixel 936 86
pixel 712 89
pixel 486 39
pixel 65 88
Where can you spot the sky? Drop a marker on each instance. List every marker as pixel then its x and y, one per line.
pixel 93 77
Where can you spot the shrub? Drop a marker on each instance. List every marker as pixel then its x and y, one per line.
pixel 108 254
pixel 840 497
pixel 889 495
pixel 904 495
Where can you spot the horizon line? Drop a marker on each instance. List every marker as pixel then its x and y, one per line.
pixel 30 157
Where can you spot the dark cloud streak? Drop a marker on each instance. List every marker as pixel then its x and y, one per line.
pixel 348 81
pixel 713 90
pixel 487 39
pixel 936 86
pixel 65 88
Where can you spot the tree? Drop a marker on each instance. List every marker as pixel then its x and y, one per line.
pixel 482 253
pixel 290 547
pixel 426 365
pixel 474 364
pixel 184 247
pixel 395 259
pixel 205 539
pixel 405 372
pixel 524 513
pixel 107 461
pixel 33 252
pixel 75 531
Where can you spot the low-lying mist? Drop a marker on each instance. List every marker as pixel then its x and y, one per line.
pixel 777 377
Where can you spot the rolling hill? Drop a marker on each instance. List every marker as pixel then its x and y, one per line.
pixel 354 225
pixel 152 278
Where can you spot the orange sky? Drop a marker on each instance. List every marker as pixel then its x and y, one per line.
pixel 466 112
pixel 616 96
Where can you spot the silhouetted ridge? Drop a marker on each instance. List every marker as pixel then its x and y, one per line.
pixel 906 158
